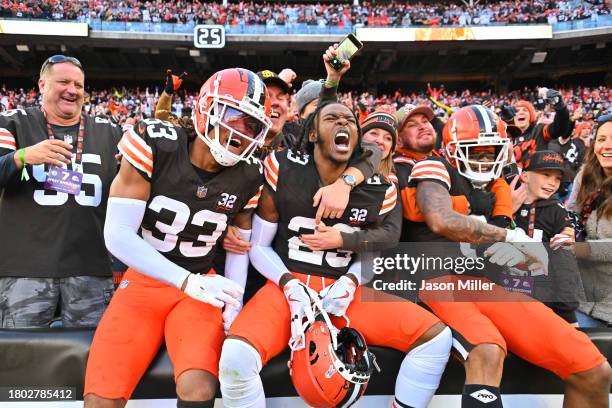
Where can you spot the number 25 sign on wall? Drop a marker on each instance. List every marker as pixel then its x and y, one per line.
pixel 209 36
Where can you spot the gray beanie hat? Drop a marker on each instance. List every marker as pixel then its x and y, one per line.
pixel 309 91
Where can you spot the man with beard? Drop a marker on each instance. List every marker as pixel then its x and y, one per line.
pixel 417 140
pixel 485 328
pixel 275 315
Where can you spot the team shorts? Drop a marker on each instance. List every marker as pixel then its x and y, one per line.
pixel 27 303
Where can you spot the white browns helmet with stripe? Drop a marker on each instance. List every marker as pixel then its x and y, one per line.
pixel 232 115
pixel 470 132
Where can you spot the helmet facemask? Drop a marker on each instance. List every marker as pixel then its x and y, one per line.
pixel 334 365
pixel 357 361
pixel 347 349
pixel 244 122
pixel 466 156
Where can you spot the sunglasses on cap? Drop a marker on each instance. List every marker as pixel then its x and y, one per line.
pixel 58 59
pixel 604 118
pixel 600 121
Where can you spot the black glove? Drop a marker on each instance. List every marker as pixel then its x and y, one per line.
pixel 173 82
pixel 481 202
pixel 555 99
pixel 507 113
pixel 169 89
pixel 500 221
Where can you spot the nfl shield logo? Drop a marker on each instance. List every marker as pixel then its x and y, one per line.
pixel 201 192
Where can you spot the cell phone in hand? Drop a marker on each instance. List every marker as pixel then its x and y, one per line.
pixel 347 48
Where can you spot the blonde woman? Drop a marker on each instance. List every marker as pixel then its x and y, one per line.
pixel 380 128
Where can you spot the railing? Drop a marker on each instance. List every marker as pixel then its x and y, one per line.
pixel 300 28
pixel 297 28
pixel 177 28
pixel 599 22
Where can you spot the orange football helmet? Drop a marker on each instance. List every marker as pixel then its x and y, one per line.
pixel 237 101
pixel 334 367
pixel 474 129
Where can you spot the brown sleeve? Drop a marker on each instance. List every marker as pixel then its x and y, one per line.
pixel 163 104
pixel 328 94
pixel 368 163
pixel 383 236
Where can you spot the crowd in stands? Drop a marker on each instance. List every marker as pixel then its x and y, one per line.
pixel 116 104
pixel 119 104
pixel 592 101
pixel 449 170
pixel 394 13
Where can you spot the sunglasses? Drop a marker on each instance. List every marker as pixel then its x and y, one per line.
pixel 58 59
pixel 600 121
pixel 604 118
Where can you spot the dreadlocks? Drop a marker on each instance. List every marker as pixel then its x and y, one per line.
pixel 311 124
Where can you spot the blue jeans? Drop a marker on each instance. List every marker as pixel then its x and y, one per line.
pixel 587 321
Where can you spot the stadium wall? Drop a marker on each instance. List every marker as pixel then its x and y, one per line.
pixel 57 358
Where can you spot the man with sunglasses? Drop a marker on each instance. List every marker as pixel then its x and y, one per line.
pixel 56 167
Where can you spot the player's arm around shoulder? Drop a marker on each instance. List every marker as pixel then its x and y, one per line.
pixel 333 199
pixel 435 203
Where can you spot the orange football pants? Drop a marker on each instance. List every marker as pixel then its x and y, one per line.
pixel 383 320
pixel 515 322
pixel 143 313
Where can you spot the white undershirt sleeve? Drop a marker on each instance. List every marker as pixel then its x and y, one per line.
pixel 237 265
pixel 123 218
pixel 356 268
pixel 262 255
